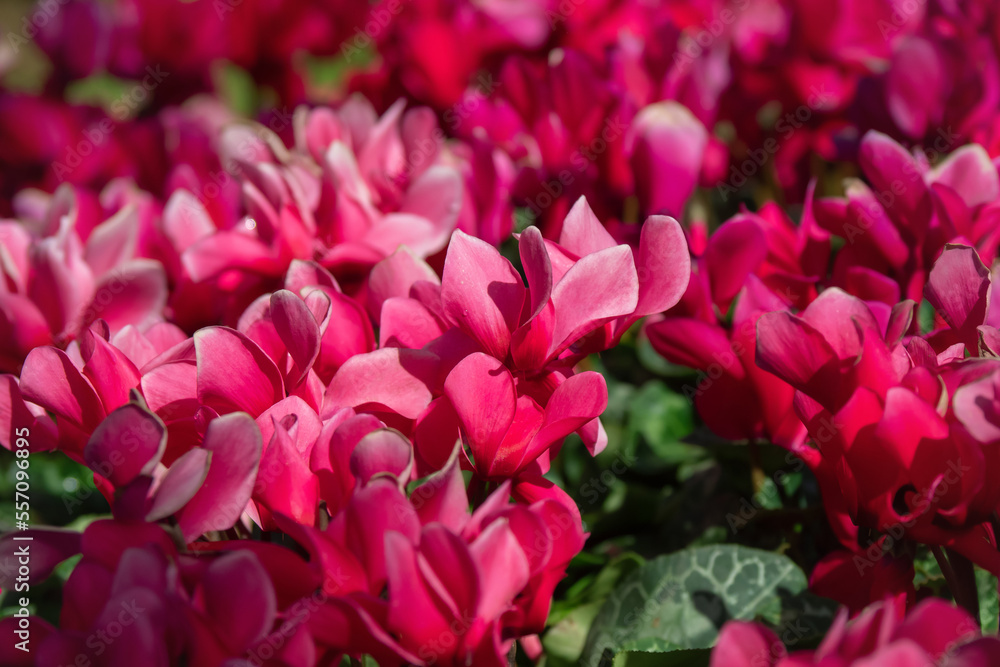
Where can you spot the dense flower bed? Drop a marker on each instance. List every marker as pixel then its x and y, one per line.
pixel 502 332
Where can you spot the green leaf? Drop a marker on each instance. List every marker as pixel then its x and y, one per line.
pixel 989 604
pixel 236 88
pixel 654 363
pixel 565 640
pixel 662 418
pixel 683 599
pixel 698 657
pixel 927 574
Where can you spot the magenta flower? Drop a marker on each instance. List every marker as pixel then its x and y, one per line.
pixel 457 587
pixel 488 329
pixel 68 267
pixel 932 633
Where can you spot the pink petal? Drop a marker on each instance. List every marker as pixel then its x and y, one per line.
pixel 481 292
pixel 179 485
pixel 503 568
pixel 51 380
pixel 916 78
pixel 110 371
pixel 136 293
pixel 830 314
pixel 668 147
pixel 185 220
pixel 975 406
pixel 394 276
pixel 886 162
pixel 128 443
pixel 297 417
pixel 390 379
pixel 449 571
pixel 790 348
pixel 304 274
pixel 413 612
pixel 442 499
pixel 113 242
pixel 958 288
pixel 239 598
pixel 537 268
pixel 382 451
pixel 598 288
pixel 348 334
pixel 61 283
pixel 435 434
pixel 374 511
pixel 15 416
pixel 285 484
pixel 970 172
pixel 693 343
pixel 22 328
pixel 481 390
pixel 298 330
pixel 407 323
pixel 869 222
pixel 234 374
pixel 582 233
pixel 663 265
pixel 743 644
pixel 332 463
pixel 235 443
pixel 223 251
pixel 436 195
pixel 419 234
pixel 575 402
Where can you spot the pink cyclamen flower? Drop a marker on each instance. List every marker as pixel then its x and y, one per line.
pixel 69 266
pixel 490 330
pixel 932 633
pixel 134 598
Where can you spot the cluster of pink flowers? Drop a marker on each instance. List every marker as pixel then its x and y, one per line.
pixel 407 580
pixel 283 412
pixel 321 363
pixel 894 415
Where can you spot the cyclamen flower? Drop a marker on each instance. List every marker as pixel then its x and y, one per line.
pixel 67 267
pixel 521 342
pixel 126 37
pixel 413 580
pixel 889 413
pixel 898 226
pixel 353 189
pixel 932 633
pixel 572 133
pixel 458 588
pixel 762 263
pixel 134 598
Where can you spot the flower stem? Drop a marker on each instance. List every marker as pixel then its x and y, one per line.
pixel 960 574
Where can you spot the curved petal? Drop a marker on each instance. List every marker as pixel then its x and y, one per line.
pixel 481 293
pixel 235 443
pixel 598 288
pixel 582 233
pixel 663 265
pixel 128 443
pixel 382 451
pixel 234 374
pixel 179 485
pixel 481 390
pixel 298 330
pixel 51 380
pixel 239 598
pixel 393 379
